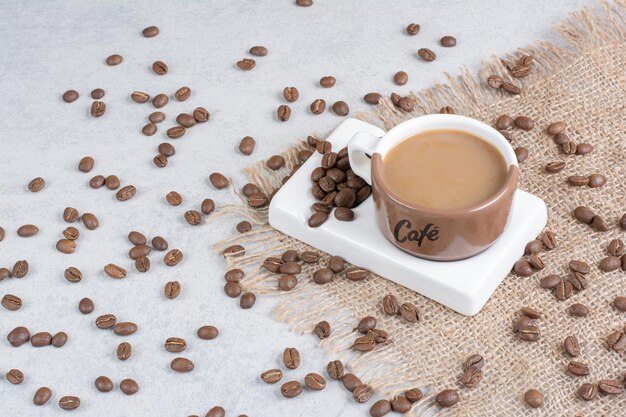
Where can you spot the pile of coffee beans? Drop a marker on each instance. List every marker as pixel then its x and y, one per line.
pixel 519 70
pixel 568 147
pixel 233 289
pixel 574 281
pixel 525 267
pixel 372 336
pixel 408 311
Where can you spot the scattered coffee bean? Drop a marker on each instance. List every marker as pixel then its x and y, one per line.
pixel 426 54
pixel 588 391
pixel 275 162
pixel 150 32
pixel 510 88
pixel 578 180
pixel 616 247
pixel 70 96
pixel 400 78
pixel 413 395
pixel 124 351
pixel 15 376
pixel 103 384
pixel 380 408
pixel 372 98
pixel 73 274
pixel 86 306
pixel 126 193
pixel 579 266
pixel 115 271
pixel 328 81
pixel 531 313
pixel 181 365
pixel 555 128
pixel 323 276
pixel 533 398
pixel 447 398
pixel 583 149
pixel 503 122
pixel 42 396
pixel 341 108
pixel 413 29
pixel 114 59
pixel 97 181
pixel 36 184
pixel 69 402
pixel 149 129
pixel 534 246
pixel 175 132
pixel 523 268
pixel 218 180
pixel 620 303
pixel 291 358
pixel 129 386
pixel 495 81
pixel 611 386
pixel 246 146
pixel 409 312
pixel 599 224
pixel 98 108
pixel 563 290
pixel 27 230
pixel 578 368
pixel 171 289
pixel 318 106
pixel 322 329
pixel 247 300
pixel 291 389
pixel 159 67
pixel 193 217
pixel 174 198
pixel 66 246
pixel 71 233
pixel 521 322
pixel 362 393
pixel 41 339
pixel 584 214
pixel 112 182
pixel 314 381
pixel 519 71
pixel 317 219
pixel 554 167
pixel 521 153
pixel 529 333
pixel 335 370
pixel 471 377
pixel 207 332
pixel 232 289
pixel 272 376
pixel 350 381
pixel 246 64
pixel 536 262
pixel 571 346
pixel 125 328
pixel 596 180
pixel 158 243
pixel 20 269
pixel 97 93
pixel 610 263
pixel 18 336
pixel 366 324
pixel 287 282
pixel 244 226
pixel 160 100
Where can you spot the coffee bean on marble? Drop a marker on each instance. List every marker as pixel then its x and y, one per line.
pixel 115 271
pixel 287 282
pixel 73 274
pixel 335 370
pixel 533 398
pixel 20 269
pixel 59 339
pixel 400 78
pixel 125 328
pixel 66 246
pixel 341 108
pixel 426 54
pixel 98 108
pixel 97 181
pixel 314 381
pixel 216 411
pixel 175 344
pixel 521 153
pixel 356 273
pixel 18 336
pixel 447 397
pixel 129 386
pixel 584 149
pixel 175 132
pixel 555 167
pixel 207 332
pixel 409 312
pixel 272 376
pixel 318 106
pixel 124 351
pixel 126 193
pixel 328 81
pixel 201 115
pixel 114 59
pixel 323 276
pixel 158 243
pixel 15 376
pixel 529 333
pixel 362 393
pixel 322 329
pixel 193 217
pixel 246 146
pixel 218 180
pixel 172 289
pixel 380 408
pixel 86 306
pixel 350 381
pixel 413 29
pixel 4 273
pixel 41 339
pixel 291 358
pixel 596 180
pixel 103 384
pixel 247 300
pixel 391 307
pixel 291 389
pixel 42 396
pixel 71 233
pixel 246 64
pixel 70 96
pixel 160 161
pixel 232 289
pixel 69 402
pixel 598 223
pixel 186 120
pixel 174 198
pixel 27 230
pixel 36 184
pixel 258 51
pixel 159 67
pixel 272 264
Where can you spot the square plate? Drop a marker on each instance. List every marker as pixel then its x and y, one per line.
pixel 464 286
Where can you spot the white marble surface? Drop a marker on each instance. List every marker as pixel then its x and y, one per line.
pixel 48 47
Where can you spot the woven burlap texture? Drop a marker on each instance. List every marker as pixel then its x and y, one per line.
pixel 582 84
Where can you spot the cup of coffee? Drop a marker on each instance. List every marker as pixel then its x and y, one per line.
pixel 443 185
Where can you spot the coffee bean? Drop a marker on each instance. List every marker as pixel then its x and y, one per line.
pixel 18 336
pixel 409 312
pixel 341 108
pixel 561 139
pixel 309 257
pixel 218 180
pixel 42 396
pixel 555 128
pixel 246 64
pixel 98 108
pixel 596 180
pixel 160 100
pixel 448 41
pixel 523 268
pixel 150 32
pixel 380 408
pixel 66 246
pixel 115 271
pixel 126 193
pixel 584 214
pixel 578 180
pixel 175 344
pixel 125 328
pixel 112 182
pixel 314 381
pixel 207 332
pixel 73 274
pixel 554 167
pixel 272 376
pixel 495 81
pixel 563 290
pixel 104 384
pixel 36 184
pixel 193 217
pixel 216 412
pixel 244 226
pixel 97 93
pixel 71 233
pixel 171 289
pixel 367 323
pixel 41 339
pixel 232 289
pixel 124 351
pixel 159 67
pixel 507 135
pixel 86 306
pixel 610 263
pixel 291 358
pixel 272 264
pixel 510 88
pixel 234 275
pixel 578 280
pixel 578 310
pixel 287 282
pixel 521 154
pixel 616 247
pixel 201 115
pixel 114 59
pixel 519 71
pixel 175 132
pixel 318 106
pixel 578 368
pixel 97 181
pixel 599 224
pixel 571 346
pixel 291 94
pixel 258 51
pixel 174 198
pixel 328 81
pixel 317 219
pixel 534 246
pixel 291 389
pixel 529 333
pixel 323 276
pixel 400 78
pixel 247 300
pixel 186 120
pixel 533 398
pixel 426 54
pixel 579 266
pixel 290 268
pixel 503 122
pixel 275 162
pixel 583 149
pixel 531 313
pixel 616 341
pixel 471 377
pixel 413 29
pixel 447 398
pixel 247 145
pixel 70 96
pixel 140 97
pixel 15 376
pixel 390 305
pixel 4 273
pixel 588 391
pixel 173 257
pixel 362 393
pixel 20 269
pixel 234 251
pixel 413 395
pixel 69 402
pixel 322 329
pixel 129 386
pixel 521 322
pixel 372 98
pixel 27 230
pixel 283 112
pixel 149 129
pixel 550 281
pixel 158 243
pixel 406 104
pixel 611 386
pixel 335 370
pixel 379 335
pixel 137 238
pixel 350 381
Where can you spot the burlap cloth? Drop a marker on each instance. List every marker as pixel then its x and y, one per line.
pixel 582 84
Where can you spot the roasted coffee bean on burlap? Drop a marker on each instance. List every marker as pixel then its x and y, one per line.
pixel 533 398
pixel 447 397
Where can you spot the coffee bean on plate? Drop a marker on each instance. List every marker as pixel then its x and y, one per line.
pixel 291 358
pixel 317 219
pixel 207 332
pixel 70 96
pixel 272 376
pixel 129 386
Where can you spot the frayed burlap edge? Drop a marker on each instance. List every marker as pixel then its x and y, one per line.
pixel 385 368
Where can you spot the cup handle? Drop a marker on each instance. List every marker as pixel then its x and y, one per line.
pixel 361 145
